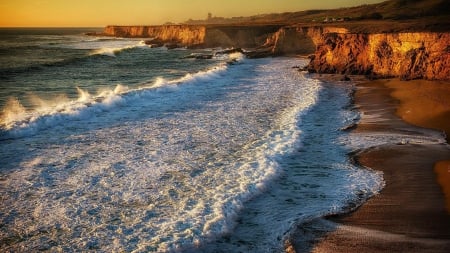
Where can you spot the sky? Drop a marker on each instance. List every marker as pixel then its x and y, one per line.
pixel 99 13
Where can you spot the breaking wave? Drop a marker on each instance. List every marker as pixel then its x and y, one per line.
pixel 16 121
pixel 113 50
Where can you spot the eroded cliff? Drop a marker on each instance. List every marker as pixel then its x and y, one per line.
pixel 198 35
pixel 405 55
pixel 298 39
pixel 183 34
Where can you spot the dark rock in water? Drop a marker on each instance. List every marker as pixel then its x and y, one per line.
pixel 94 34
pixel 230 51
pixel 311 69
pixel 157 42
pixel 258 54
pixel 154 43
pixel 204 56
pixel 171 45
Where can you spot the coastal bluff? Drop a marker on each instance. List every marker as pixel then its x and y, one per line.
pixel 419 55
pixel 198 36
pixel 333 50
pixel 268 40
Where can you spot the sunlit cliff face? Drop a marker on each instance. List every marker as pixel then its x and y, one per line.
pixel 186 35
pixel 405 55
pixel 415 54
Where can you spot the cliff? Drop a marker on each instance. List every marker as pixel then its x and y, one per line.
pixel 183 34
pixel 298 39
pixel 198 35
pixel 415 55
pixel 405 55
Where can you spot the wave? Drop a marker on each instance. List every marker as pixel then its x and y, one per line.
pixel 206 161
pixel 113 51
pixel 79 52
pixel 8 72
pixel 227 150
pixel 16 121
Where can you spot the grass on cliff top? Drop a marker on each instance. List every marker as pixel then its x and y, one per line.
pixel 388 16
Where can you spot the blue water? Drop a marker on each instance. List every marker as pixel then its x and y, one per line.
pixel 109 145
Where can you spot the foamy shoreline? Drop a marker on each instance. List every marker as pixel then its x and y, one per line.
pixel 409 213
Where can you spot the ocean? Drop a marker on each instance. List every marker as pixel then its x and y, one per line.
pixel 108 145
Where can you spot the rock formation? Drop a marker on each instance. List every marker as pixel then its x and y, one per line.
pixel 183 34
pixel 193 36
pixel 406 55
pixel 298 39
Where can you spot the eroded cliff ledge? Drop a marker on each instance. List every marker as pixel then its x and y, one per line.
pixel 193 36
pixel 415 55
pixel 418 55
pixel 273 39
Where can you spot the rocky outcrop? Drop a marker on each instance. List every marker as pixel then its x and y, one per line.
pixel 298 39
pixel 265 39
pixel 183 34
pixel 242 36
pixel 198 35
pixel 404 55
pixel 335 50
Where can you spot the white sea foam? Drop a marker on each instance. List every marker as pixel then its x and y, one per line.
pixel 98 45
pixel 180 166
pixel 16 121
pixel 171 165
pixel 112 49
pixel 314 181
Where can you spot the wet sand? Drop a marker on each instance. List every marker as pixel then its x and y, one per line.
pixel 421 98
pixel 409 214
pixel 423 103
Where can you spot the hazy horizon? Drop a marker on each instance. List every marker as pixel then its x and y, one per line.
pixel 99 13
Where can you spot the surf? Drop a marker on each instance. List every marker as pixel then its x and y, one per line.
pixel 116 48
pixel 185 157
pixel 17 121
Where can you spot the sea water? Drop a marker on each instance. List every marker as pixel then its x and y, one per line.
pixel 109 145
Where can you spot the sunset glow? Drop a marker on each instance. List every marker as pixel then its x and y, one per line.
pixel 94 13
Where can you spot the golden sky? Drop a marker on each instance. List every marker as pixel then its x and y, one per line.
pixel 98 13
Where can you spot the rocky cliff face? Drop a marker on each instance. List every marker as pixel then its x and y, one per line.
pixel 404 55
pixel 298 39
pixel 276 39
pixel 183 34
pixel 238 36
pixel 198 35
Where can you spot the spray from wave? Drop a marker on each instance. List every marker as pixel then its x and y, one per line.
pixel 17 121
pixel 12 112
pixel 112 51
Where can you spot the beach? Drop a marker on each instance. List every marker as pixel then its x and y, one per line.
pixel 410 213
pixel 109 144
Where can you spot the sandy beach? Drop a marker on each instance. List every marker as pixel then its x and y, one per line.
pixel 409 215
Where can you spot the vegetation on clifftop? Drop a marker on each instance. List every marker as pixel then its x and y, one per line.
pixel 388 16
